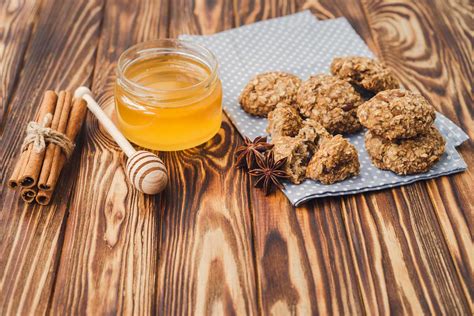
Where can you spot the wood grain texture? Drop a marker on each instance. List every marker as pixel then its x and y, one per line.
pixel 420 49
pixel 402 32
pixel 31 236
pixel 455 24
pixel 401 255
pixel 414 45
pixel 353 11
pixel 212 244
pixel 432 259
pixel 303 256
pixel 250 11
pixel 110 252
pixel 206 248
pixel 16 23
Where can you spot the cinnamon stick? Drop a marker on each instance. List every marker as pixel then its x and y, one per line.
pixel 53 151
pixel 41 168
pixel 76 117
pixel 31 165
pixel 28 194
pixel 14 180
pixel 44 197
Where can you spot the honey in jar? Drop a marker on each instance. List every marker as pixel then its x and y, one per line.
pixel 168 95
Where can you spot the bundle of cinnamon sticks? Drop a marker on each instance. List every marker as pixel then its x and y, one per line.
pixel 39 165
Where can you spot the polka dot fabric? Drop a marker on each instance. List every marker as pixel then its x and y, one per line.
pixel 301 45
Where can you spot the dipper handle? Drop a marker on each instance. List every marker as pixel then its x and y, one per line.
pixel 145 170
pixel 86 94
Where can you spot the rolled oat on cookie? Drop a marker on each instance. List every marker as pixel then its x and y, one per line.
pixel 406 156
pixel 367 73
pixel 334 161
pixel 284 120
pixel 331 101
pixel 397 114
pixel 263 92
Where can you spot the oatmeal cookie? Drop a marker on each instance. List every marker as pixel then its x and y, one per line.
pixel 265 91
pixel 284 121
pixel 367 73
pixel 407 156
pixel 331 101
pixel 297 154
pixel 312 133
pixel 397 114
pixel 335 160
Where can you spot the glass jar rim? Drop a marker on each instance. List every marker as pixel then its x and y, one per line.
pixel 166 45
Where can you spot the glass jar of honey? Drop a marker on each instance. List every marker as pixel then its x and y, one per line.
pixel 168 95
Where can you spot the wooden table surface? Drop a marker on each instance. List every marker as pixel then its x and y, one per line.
pixel 211 243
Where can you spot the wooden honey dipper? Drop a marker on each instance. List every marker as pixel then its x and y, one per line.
pixel 145 170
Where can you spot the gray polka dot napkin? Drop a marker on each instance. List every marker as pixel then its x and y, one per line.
pixel 302 45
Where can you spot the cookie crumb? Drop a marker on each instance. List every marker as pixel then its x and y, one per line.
pixel 312 133
pixel 297 154
pixel 334 161
pixel 284 121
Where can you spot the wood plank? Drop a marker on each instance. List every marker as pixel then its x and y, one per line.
pixel 249 11
pixel 402 250
pixel 304 261
pixel 454 19
pixel 412 43
pixel 396 30
pixel 454 26
pixel 452 197
pixel 416 40
pixel 31 236
pixel 16 23
pixel 206 252
pixel 352 11
pixel 423 249
pixel 401 255
pixel 455 220
pixel 109 258
pixel 303 258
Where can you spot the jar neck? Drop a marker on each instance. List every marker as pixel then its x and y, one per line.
pixel 163 95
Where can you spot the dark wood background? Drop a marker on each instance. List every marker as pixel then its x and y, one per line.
pixel 211 243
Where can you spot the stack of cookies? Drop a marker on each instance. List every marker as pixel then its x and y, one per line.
pixel 401 136
pixel 306 120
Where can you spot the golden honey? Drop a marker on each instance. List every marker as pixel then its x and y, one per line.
pixel 168 95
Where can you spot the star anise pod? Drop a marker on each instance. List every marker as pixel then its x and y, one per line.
pixel 245 154
pixel 269 172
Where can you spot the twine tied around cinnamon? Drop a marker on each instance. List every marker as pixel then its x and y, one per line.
pixel 39 135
